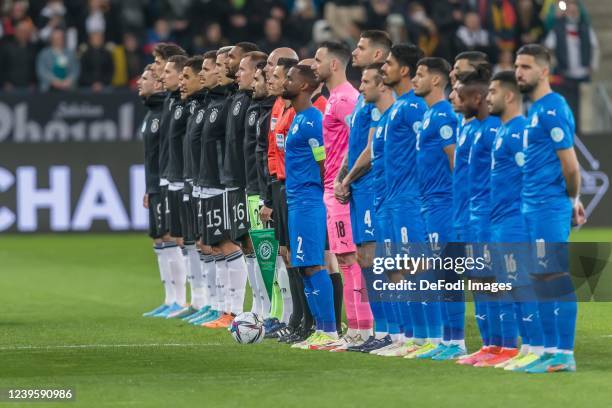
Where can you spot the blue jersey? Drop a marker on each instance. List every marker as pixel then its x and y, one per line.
pixel 303 150
pixel 507 158
pixel 378 161
pixel 550 127
pixel 479 161
pixel 437 132
pixel 461 186
pixel 404 122
pixel 365 116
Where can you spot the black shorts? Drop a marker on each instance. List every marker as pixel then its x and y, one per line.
pixel 156 216
pixel 164 208
pixel 280 213
pixel 237 215
pixel 213 220
pixel 173 213
pixel 188 220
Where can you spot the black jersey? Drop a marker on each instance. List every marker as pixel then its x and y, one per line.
pixel 192 145
pixel 261 151
pixel 176 133
pixel 213 136
pixel 164 127
pixel 253 127
pixel 233 163
pixel 149 132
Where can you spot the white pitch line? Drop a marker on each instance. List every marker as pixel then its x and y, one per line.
pixel 94 346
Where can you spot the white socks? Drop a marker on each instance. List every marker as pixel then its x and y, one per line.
pixel 251 260
pixel 178 271
pixel 195 276
pixel 164 271
pixel 283 283
pixel 237 277
pixel 220 282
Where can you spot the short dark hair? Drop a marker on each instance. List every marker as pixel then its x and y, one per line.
pixel 166 50
pixel 256 56
pixel 539 52
pixel 407 55
pixel 308 75
pixel 179 61
pixel 286 63
pixel 479 78
pixel 246 46
pixel 261 65
pixel 507 79
pixel 378 38
pixel 224 50
pixel 210 55
pixel 483 71
pixel 474 57
pixel 338 50
pixel 437 65
pixel 377 66
pixel 195 63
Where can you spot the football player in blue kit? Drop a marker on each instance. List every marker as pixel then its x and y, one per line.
pixel 551 204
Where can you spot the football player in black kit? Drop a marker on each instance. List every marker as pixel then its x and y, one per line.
pixel 171 78
pixel 170 251
pixel 259 106
pixel 195 131
pixel 212 192
pixel 193 96
pixel 150 90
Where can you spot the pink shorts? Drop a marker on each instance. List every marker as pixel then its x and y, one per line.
pixel 339 228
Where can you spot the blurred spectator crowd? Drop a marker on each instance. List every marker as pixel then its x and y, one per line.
pixel 104 44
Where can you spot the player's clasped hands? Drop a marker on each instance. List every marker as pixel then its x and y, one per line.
pixel 342 192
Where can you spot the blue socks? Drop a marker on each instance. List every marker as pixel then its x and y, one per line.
pixel 323 295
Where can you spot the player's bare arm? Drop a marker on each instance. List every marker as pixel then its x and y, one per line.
pixel 571 173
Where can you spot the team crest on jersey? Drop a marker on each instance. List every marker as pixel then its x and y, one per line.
pixel 375 115
pixel 426 123
pixel 154 125
pixel 252 118
pixel 178 112
pixel 557 134
pixel 520 159
pixel 213 115
pixel 295 128
pixel 534 120
pixel 200 116
pixel 446 132
pixel 236 110
pixel 416 126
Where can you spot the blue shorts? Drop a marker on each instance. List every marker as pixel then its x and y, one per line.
pixel 363 217
pixel 384 232
pixel 307 234
pixel 511 250
pixel 439 227
pixel 479 245
pixel 408 230
pixel 549 230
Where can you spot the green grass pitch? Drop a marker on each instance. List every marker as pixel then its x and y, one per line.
pixel 70 317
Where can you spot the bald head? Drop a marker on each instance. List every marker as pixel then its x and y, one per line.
pixel 283 52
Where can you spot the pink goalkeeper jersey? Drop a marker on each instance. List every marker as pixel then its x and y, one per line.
pixel 336 120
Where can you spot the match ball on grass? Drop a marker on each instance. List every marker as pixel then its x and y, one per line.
pixel 247 328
